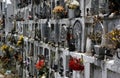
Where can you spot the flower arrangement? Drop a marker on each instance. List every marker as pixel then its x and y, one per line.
pixel 114 37
pixel 76 64
pixel 72 5
pixel 40 65
pixel 4 47
pixel 20 40
pixel 6 57
pixel 95 37
pixel 58 9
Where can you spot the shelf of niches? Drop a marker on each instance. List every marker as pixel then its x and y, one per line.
pixel 63 21
pixel 109 64
pixel 66 20
pixel 42 20
pixel 86 58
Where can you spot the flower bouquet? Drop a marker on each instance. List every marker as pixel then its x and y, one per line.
pixel 76 64
pixel 6 57
pixel 114 38
pixel 20 41
pixel 4 47
pixel 43 70
pixel 95 37
pixel 59 11
pixel 73 5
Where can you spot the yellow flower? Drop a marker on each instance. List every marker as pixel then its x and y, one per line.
pixel 21 38
pixel 112 33
pixel 19 43
pixel 4 47
pixel 114 37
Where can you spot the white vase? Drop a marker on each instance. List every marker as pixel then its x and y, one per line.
pixel 71 13
pixel 88 46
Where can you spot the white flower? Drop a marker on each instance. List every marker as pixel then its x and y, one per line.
pixel 74 2
pixel 66 1
pixel 43 76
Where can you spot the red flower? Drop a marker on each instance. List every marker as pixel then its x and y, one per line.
pixel 71 63
pixel 40 64
pixel 75 64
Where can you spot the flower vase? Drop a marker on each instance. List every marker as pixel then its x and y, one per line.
pixel 89 46
pixel 103 42
pixel 71 13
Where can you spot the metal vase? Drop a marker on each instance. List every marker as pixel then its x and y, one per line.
pixel 71 13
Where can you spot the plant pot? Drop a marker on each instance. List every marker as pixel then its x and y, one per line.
pixel 71 13
pixel 99 51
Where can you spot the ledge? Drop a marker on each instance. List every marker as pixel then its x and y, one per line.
pixel 112 18
pixel 89 59
pixel 113 67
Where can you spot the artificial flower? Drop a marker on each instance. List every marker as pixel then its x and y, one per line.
pixel 19 43
pixel 21 38
pixel 74 2
pixel 73 5
pixel 4 47
pixel 76 64
pixel 40 64
pixel 114 37
pixel 58 9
